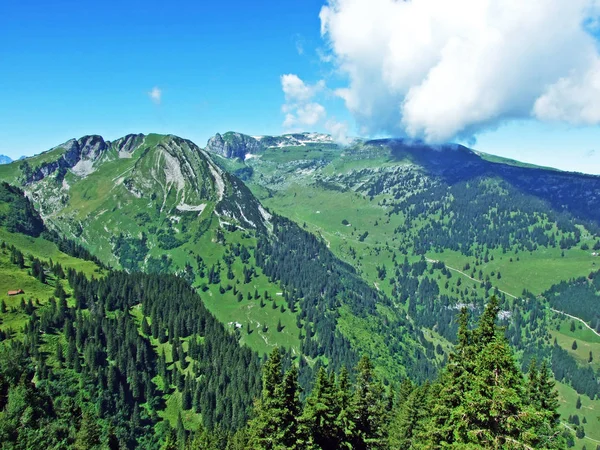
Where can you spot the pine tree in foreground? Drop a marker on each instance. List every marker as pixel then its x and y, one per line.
pixel 483 400
pixel 480 400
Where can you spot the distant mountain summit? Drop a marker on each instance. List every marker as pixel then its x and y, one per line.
pixel 5 159
pixel 241 146
pixel 233 145
pixel 95 189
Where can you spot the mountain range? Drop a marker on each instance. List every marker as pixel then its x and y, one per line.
pixel 331 252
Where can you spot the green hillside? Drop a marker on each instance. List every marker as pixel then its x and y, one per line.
pixel 106 358
pixel 480 224
pixel 159 204
pixel 371 249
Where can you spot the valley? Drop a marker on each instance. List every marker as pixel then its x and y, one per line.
pixel 326 252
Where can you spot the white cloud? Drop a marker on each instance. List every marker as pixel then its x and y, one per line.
pixel 296 91
pixel 308 115
pixel 299 109
pixel 338 131
pixel 155 95
pixel 437 70
pixel 574 99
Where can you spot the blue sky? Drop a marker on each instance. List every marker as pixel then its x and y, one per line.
pixel 70 68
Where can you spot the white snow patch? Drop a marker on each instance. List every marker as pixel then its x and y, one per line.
pixel 248 156
pixel 318 212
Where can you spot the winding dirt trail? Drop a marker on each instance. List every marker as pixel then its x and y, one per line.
pixel 469 277
pixel 515 297
pixel 576 318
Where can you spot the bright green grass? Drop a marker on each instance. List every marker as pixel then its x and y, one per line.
pixel 589 409
pixel 363 333
pixel 297 197
pixel 191 420
pixel 586 341
pixel 582 353
pixel 13 278
pixel 536 271
pixel 581 332
pixel 289 154
pixel 226 307
pixel 348 162
pixel 46 250
pixel 511 162
pixel 10 172
pixel 323 212
pixel 228 310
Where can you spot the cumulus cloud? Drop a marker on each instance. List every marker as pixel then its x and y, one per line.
pixel 437 70
pixel 338 131
pixel 296 91
pixel 574 99
pixel 155 95
pixel 309 115
pixel 299 108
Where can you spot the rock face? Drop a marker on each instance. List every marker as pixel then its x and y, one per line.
pixel 80 155
pixel 233 145
pixel 75 150
pixel 127 145
pixel 5 159
pixel 168 178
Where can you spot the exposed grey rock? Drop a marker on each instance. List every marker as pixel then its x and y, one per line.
pixel 87 148
pixel 233 145
pixel 128 144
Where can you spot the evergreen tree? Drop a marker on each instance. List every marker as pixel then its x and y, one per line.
pixel 320 419
pixel 88 436
pixel 483 400
pixel 407 426
pixel 291 409
pixel 368 408
pixel 266 428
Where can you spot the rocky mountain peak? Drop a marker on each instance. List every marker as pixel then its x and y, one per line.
pixel 233 145
pixel 127 144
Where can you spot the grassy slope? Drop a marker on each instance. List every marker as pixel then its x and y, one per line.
pixel 228 310
pixel 13 278
pixel 589 409
pixel 321 211
pixel 294 194
pixel 99 207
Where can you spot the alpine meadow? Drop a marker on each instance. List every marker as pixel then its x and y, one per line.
pixel 397 247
